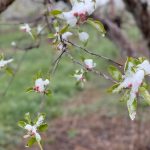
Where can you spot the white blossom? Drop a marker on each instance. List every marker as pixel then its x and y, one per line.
pixel 26 28
pixel 79 12
pixel 13 43
pixel 39 121
pixel 89 64
pixel 79 76
pixel 32 131
pixel 66 35
pixel 145 66
pixel 3 63
pixel 83 36
pixel 133 79
pixel 69 17
pixel 40 85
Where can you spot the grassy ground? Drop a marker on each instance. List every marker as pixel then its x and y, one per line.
pixel 16 101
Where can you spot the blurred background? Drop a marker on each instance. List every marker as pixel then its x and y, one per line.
pixel 79 119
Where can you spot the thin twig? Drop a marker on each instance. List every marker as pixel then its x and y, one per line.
pixel 94 54
pixel 93 70
pixel 56 62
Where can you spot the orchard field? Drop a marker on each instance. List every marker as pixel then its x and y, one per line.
pixel 73 113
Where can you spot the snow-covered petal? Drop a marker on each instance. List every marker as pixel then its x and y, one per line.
pixel 79 12
pixel 145 65
pixel 89 63
pixel 79 77
pixel 70 18
pixel 66 35
pixel 28 127
pixel 26 28
pixel 5 62
pixel 40 85
pixel 83 36
pixel 38 137
pixel 39 121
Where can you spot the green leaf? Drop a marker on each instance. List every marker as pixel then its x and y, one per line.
pixel 31 141
pixel 97 24
pixel 27 117
pixel 132 109
pixel 55 12
pixel 48 92
pixel 131 61
pixel 9 71
pixel 30 89
pixel 82 58
pixel 64 29
pixel 21 124
pixel 125 96
pixel 113 89
pixel 43 127
pixel 115 73
pixel 145 94
pixel 1 56
pixel 51 36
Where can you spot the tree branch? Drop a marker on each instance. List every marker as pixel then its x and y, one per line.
pixel 4 4
pixel 140 11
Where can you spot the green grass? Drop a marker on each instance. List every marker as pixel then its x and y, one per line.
pixel 17 102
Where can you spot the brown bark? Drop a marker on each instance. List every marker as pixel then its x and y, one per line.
pixel 141 14
pixel 4 4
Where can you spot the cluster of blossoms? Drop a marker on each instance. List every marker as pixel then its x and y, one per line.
pixel 132 81
pixel 40 85
pixel 33 127
pixel 81 9
pixel 80 75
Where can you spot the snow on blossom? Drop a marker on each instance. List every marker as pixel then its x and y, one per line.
pixel 26 28
pixel 3 63
pixel 32 132
pixel 133 80
pixel 145 65
pixel 40 85
pixel 89 64
pixel 66 35
pixel 70 18
pixel 79 76
pixel 79 12
pixel 83 36
pixel 39 121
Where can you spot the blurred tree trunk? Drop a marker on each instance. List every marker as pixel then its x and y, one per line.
pixel 115 34
pixel 141 13
pixel 4 4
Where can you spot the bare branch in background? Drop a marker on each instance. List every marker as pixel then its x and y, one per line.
pixel 140 11
pixel 4 4
pixel 120 39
